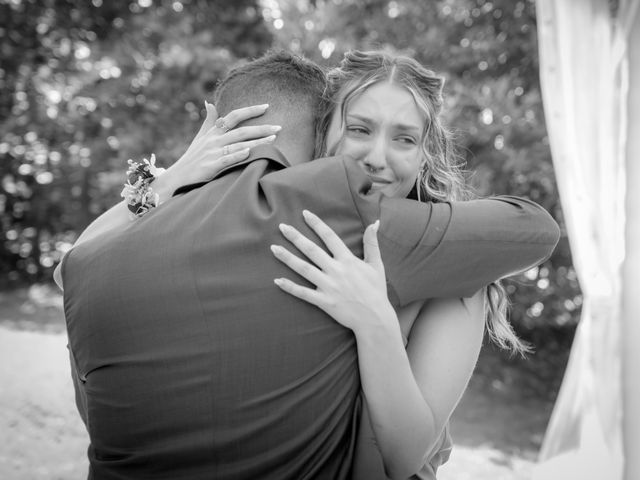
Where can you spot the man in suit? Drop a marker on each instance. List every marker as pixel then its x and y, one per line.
pixel 190 363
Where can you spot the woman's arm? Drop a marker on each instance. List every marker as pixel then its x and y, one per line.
pixel 214 148
pixel 443 348
pixel 410 396
pixel 410 393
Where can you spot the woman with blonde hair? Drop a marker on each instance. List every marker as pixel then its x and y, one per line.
pixel 383 112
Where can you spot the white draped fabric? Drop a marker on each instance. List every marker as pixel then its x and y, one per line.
pixel 584 79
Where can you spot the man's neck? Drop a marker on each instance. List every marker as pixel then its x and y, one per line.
pixel 295 153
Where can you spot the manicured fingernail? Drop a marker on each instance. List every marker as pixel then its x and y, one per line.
pixel 270 138
pixel 284 228
pixel 276 128
pixel 275 249
pixel 278 281
pixel 307 214
pixel 376 225
pixel 264 105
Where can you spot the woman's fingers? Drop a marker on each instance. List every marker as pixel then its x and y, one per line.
pixel 303 293
pixel 209 120
pixel 310 250
pixel 301 267
pixel 333 242
pixel 235 117
pixel 253 143
pixel 370 245
pixel 231 157
pixel 250 133
pixel 240 151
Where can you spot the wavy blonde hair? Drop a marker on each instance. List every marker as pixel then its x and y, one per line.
pixel 440 178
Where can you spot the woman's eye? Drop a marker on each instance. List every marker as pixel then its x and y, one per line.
pixel 357 130
pixel 408 140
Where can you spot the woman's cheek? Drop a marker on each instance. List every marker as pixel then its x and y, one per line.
pixel 351 148
pixel 407 168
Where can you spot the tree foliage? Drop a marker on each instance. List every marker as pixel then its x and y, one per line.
pixel 86 85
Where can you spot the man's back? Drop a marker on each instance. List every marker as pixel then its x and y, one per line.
pixel 195 365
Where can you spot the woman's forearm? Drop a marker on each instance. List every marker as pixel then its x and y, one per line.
pixel 114 219
pixel 118 216
pixel 401 419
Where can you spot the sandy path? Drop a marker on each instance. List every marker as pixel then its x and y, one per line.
pixel 41 434
pixel 42 437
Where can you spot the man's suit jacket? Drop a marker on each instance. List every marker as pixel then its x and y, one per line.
pixel 192 364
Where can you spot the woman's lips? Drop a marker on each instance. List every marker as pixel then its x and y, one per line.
pixel 379 180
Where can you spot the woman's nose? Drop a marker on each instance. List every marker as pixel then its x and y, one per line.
pixel 375 159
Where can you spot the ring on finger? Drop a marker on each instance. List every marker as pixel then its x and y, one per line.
pixel 221 124
pixel 225 150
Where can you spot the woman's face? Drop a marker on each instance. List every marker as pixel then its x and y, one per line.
pixel 382 132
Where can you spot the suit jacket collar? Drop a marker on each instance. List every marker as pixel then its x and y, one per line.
pixel 268 152
pixel 260 152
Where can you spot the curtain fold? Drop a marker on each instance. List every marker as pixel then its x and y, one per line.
pixel 584 80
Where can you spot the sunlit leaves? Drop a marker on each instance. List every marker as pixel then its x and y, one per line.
pixel 86 85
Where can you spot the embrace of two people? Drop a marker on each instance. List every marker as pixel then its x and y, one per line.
pixel 274 317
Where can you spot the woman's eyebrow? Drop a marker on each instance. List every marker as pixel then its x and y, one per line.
pixel 408 127
pixel 362 118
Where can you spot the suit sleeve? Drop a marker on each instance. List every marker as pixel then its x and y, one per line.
pixel 454 249
pixel 429 249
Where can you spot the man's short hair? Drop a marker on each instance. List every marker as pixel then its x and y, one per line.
pixel 284 80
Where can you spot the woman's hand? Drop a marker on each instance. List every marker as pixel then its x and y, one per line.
pixel 350 290
pixel 217 145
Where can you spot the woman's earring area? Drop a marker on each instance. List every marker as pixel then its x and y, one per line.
pixel 422 174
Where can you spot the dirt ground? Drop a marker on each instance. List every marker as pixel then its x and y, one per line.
pixel 497 428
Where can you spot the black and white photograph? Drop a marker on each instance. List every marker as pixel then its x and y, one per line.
pixel 319 239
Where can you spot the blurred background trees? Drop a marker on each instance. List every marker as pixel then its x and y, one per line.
pixel 85 85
